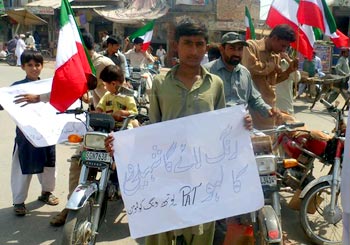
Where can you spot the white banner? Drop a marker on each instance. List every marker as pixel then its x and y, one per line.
pixel 39 121
pixel 187 171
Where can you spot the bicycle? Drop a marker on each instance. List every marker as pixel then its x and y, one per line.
pixel 46 53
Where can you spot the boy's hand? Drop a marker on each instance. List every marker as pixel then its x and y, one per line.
pixel 109 144
pixel 248 122
pixel 118 116
pixel 28 98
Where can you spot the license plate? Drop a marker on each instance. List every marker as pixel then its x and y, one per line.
pixel 96 156
pixel 270 180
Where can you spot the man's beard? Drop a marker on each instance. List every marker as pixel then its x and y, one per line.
pixel 233 60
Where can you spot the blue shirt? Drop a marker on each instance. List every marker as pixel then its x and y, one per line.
pixel 238 86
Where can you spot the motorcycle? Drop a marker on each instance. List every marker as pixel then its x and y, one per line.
pixel 320 217
pixel 138 81
pixel 266 222
pixel 321 211
pixel 267 228
pixel 88 203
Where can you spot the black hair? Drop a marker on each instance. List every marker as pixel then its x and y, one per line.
pixel 112 73
pixel 88 40
pixel 113 40
pixel 29 55
pixel 189 27
pixel 214 52
pixel 283 32
pixel 137 40
pixel 343 51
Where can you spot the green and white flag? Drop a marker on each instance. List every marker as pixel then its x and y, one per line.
pixel 145 33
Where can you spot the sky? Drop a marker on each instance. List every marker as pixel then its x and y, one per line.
pixel 264 8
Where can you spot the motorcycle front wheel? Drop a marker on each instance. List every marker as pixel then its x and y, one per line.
pixel 321 225
pixel 78 228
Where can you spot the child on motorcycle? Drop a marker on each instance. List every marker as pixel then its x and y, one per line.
pixel 114 101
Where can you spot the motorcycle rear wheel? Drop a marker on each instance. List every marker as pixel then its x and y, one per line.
pixel 78 227
pixel 317 223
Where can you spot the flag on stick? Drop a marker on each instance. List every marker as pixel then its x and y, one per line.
pixel 250 31
pixel 145 33
pixel 316 13
pixel 284 12
pixel 73 65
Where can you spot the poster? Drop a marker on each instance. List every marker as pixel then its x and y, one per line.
pixel 187 171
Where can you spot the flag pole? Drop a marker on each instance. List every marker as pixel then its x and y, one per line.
pixel 296 54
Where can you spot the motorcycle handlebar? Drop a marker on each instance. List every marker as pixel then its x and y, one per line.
pixel 72 111
pixel 328 105
pixel 294 125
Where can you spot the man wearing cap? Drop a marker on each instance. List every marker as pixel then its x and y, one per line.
pixel 112 51
pixel 136 55
pixel 262 59
pixel 20 47
pixel 238 85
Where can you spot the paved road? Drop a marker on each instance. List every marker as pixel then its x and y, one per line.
pixel 34 228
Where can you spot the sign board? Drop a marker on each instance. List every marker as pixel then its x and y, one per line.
pixel 325 53
pixel 39 122
pixel 187 171
pixel 41 10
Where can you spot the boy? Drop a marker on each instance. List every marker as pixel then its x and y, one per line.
pixel 114 102
pixel 185 90
pixel 27 159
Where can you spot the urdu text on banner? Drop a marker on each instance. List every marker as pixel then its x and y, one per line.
pixel 187 171
pixel 39 122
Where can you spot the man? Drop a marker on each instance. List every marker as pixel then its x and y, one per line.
pixel 284 89
pixel 262 59
pixel 238 85
pixel 100 62
pixel 30 41
pixel 20 47
pixel 112 51
pixel 11 45
pixel 161 53
pixel 136 56
pixel 312 67
pixel 342 66
pixel 341 69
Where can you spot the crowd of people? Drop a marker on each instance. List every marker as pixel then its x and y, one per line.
pixel 257 73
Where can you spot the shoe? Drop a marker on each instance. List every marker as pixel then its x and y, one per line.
pixel 60 218
pixel 20 209
pixel 48 198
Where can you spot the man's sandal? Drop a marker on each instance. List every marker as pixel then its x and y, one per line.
pixel 60 218
pixel 20 209
pixel 48 198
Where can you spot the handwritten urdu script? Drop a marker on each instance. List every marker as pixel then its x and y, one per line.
pixel 187 171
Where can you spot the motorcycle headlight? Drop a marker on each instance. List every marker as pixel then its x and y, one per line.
pixel 95 140
pixel 266 164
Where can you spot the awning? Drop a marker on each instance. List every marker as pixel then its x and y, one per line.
pixel 44 6
pixel 24 17
pixel 137 12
